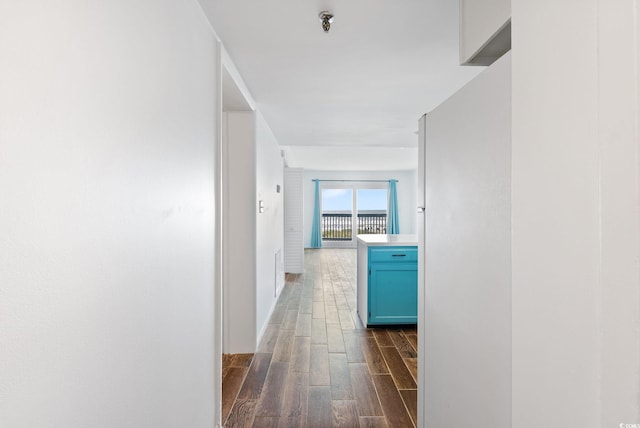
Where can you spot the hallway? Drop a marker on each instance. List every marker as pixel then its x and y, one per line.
pixel 316 365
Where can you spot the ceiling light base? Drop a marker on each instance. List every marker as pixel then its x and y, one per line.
pixel 326 19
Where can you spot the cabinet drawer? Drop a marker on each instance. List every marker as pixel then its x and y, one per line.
pixel 393 254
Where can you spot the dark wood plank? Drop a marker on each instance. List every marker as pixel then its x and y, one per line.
pixel 368 332
pixel 318 295
pixel 254 381
pixel 227 359
pixel 231 385
pixel 373 356
pixel 345 413
pixel 303 326
pixel 402 344
pixel 391 401
pixel 318 331
pixel 295 395
pixel 397 367
pixel 320 413
pixel 307 289
pixel 319 366
pixel 278 312
pixel 318 309
pixel 341 302
pixel 329 294
pixel 294 300
pixel 265 422
pixel 330 356
pixel 241 415
pixel 284 295
pixel 331 313
pixel 300 354
pixel 364 391
pixel 291 421
pixel 373 422
pixel 292 277
pixel 242 360
pixel 269 339
pixel 346 322
pixel 410 398
pixel 340 379
pixel 306 305
pixel 382 337
pixel 334 338
pixel 353 347
pixel 290 320
pixel 412 365
pixel 270 402
pixel 282 351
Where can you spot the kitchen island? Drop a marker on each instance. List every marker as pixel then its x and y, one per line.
pixel 387 279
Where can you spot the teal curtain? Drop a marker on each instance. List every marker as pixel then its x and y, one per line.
pixel 316 232
pixel 393 225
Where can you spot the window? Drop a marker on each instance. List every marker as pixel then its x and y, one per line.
pixel 372 211
pixel 337 213
pixel 351 209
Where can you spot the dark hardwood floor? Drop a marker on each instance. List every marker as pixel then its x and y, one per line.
pixel 317 366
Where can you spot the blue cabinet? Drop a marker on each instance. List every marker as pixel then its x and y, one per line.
pixel 392 285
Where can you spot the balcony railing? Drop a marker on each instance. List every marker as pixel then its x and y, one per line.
pixel 374 223
pixel 338 226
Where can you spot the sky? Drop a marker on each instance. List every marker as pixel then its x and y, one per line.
pixel 341 199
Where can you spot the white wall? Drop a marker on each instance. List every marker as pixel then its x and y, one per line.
pixel 254 168
pixel 270 223
pixel 467 320
pixel 406 188
pixel 575 213
pixel 239 219
pixel 107 130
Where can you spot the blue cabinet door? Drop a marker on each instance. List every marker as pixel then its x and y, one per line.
pixel 393 286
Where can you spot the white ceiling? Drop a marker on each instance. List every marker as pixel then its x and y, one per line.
pixel 351 98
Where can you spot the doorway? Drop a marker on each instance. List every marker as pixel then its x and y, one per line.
pixel 233 102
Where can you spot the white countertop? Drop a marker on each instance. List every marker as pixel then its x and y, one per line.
pixel 387 240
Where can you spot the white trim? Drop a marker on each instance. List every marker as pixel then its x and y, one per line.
pixel 217 295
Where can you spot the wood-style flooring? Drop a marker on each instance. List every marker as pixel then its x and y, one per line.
pixel 317 366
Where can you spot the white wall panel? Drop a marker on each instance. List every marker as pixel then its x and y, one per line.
pixel 269 239
pixel 576 303
pixel 466 323
pixel 253 238
pixel 107 137
pixel 293 220
pixel 240 206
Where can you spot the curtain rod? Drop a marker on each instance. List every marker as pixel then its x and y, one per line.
pixel 358 181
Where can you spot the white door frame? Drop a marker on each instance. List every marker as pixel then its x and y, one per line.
pixel 223 63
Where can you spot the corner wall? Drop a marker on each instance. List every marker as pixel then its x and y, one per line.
pixel 239 231
pixel 254 168
pixel 107 133
pixel 270 223
pixel 467 316
pixel 576 245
